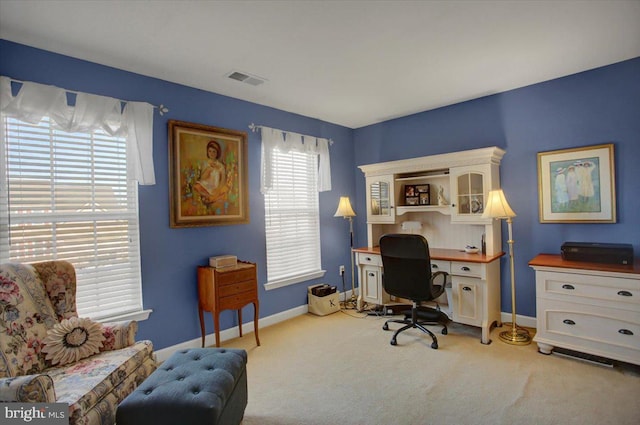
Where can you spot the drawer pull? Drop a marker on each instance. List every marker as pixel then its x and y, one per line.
pixel 568 322
pixel 570 287
pixel 434 266
pixel 465 269
pixel 625 293
pixel 625 332
pixel 371 274
pixel 466 288
pixel 368 258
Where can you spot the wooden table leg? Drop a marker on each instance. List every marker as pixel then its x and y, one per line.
pixel 201 315
pixel 240 320
pixel 216 323
pixel 255 320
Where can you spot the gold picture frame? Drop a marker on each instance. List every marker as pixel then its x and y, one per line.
pixel 577 185
pixel 207 175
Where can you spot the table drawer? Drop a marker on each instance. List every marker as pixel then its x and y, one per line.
pixel 466 269
pixel 230 277
pixel 237 288
pixel 236 301
pixel 369 259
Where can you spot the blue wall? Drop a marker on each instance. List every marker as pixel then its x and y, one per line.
pixel 594 107
pixel 170 256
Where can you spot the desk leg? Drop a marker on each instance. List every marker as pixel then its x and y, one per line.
pixel 201 315
pixel 255 320
pixel 216 323
pixel 240 320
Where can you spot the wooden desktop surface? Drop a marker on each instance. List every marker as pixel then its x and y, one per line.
pixel 444 254
pixel 555 260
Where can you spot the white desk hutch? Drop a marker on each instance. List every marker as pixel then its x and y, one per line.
pixel 461 182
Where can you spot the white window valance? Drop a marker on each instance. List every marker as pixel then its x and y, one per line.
pixel 90 113
pixel 285 141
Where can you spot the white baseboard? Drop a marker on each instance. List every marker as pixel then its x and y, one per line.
pixel 210 339
pixel 526 321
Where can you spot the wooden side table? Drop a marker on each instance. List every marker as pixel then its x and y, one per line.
pixel 228 288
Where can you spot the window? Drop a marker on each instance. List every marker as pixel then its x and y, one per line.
pixel 292 219
pixel 68 196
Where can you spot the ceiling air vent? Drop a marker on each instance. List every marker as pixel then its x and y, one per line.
pixel 246 78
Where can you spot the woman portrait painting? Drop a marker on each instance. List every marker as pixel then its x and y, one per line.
pixel 209 178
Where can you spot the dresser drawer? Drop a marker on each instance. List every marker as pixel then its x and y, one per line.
pixel 369 259
pixel 466 269
pixel 589 325
pixel 232 276
pixel 604 291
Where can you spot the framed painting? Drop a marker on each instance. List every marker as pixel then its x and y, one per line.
pixel 207 175
pixel 577 185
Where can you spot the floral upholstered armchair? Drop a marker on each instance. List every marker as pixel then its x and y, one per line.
pixel 48 354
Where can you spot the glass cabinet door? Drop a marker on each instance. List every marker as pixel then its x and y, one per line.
pixel 380 195
pixel 470 193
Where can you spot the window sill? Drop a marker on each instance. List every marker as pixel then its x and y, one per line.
pixel 293 280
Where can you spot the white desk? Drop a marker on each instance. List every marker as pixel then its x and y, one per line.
pixel 474 296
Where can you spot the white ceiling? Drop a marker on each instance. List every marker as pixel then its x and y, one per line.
pixel 352 63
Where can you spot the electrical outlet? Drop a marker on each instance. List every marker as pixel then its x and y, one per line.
pixel 341 270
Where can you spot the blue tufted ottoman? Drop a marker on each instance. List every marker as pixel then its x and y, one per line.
pixel 196 387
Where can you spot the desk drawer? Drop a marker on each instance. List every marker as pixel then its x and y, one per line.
pixel 440 266
pixel 236 301
pixel 466 269
pixel 232 276
pixel 600 290
pixel 369 259
pixel 237 288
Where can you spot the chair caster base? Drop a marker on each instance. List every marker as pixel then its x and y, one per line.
pixel 445 331
pixel 393 342
pixel 434 345
pixel 385 327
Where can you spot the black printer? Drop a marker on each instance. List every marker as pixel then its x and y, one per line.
pixel 595 252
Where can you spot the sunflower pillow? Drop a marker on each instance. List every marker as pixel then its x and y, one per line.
pixel 72 339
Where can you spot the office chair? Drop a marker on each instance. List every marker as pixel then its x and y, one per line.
pixel 407 274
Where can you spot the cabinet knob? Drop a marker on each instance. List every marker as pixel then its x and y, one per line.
pixel 368 258
pixel 625 293
pixel 625 332
pixel 568 322
pixel 569 287
pixel 466 288
pixel 465 269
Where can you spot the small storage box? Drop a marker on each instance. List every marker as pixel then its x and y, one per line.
pixel 223 261
pixel 322 306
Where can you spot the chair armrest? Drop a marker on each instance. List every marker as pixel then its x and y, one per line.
pixel 27 389
pixel 119 335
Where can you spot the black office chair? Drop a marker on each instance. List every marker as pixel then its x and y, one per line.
pixel 407 274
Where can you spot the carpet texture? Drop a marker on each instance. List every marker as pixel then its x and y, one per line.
pixel 341 369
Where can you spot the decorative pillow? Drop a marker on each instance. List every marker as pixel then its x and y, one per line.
pixel 72 339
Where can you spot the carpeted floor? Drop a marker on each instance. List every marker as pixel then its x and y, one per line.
pixel 341 369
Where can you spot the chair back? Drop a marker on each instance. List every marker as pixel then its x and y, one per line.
pixel 407 266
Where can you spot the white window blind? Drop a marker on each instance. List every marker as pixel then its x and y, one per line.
pixel 292 219
pixel 68 196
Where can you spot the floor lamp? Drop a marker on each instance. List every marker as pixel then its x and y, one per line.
pixel 344 210
pixel 498 208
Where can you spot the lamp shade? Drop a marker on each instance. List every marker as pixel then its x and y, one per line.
pixel 497 206
pixel 344 208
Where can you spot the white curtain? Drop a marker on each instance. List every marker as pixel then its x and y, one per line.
pixel 91 112
pixel 288 142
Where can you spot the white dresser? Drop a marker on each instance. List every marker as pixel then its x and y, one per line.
pixel 588 307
